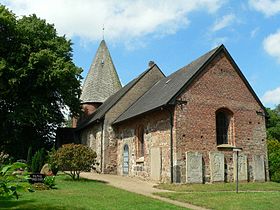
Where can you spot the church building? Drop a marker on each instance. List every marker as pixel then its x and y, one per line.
pixel 203 123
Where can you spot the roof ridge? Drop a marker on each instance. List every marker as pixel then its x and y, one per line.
pixel 168 89
pixel 99 113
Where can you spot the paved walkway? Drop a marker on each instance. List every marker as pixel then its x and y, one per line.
pixel 137 186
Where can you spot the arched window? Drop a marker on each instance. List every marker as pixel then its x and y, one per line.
pixel 140 141
pixel 125 159
pixel 224 126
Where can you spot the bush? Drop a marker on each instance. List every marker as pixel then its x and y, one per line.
pixel 49 181
pixel 38 161
pixel 13 177
pixel 75 158
pixel 51 161
pixel 274 159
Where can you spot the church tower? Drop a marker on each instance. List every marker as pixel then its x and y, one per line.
pixel 101 82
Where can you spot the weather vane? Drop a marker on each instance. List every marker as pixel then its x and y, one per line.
pixel 103 32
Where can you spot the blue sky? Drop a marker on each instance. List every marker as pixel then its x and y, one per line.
pixel 170 32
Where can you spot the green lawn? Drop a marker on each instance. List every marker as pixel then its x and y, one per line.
pixel 229 200
pixel 86 194
pixel 251 186
pixel 222 196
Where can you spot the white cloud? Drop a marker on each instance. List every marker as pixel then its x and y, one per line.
pixel 223 22
pixel 271 45
pixel 272 96
pixel 254 32
pixel 267 7
pixel 124 20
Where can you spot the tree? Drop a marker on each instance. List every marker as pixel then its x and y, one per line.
pixel 75 158
pixel 273 143
pixel 273 123
pixel 37 80
pixel 274 159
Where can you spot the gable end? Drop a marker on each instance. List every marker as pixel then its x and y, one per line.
pixel 221 49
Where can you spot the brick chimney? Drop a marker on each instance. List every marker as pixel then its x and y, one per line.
pixel 151 63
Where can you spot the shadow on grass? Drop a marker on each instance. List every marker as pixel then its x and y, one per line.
pixel 28 205
pixel 69 179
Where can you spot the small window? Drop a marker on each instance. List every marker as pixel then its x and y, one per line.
pixel 224 126
pixel 140 141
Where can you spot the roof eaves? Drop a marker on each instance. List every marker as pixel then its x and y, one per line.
pixel 116 122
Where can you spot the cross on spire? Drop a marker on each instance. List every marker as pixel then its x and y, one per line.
pixel 103 32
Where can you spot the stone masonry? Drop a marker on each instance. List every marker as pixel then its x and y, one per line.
pixel 185 123
pixel 156 135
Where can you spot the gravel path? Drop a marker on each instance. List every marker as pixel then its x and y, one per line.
pixel 137 186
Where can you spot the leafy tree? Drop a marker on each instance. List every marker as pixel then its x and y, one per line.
pixel 37 80
pixel 75 158
pixel 274 159
pixel 273 123
pixel 273 143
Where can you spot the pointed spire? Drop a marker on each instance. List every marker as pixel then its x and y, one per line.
pixel 102 80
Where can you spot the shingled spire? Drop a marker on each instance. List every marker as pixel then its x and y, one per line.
pixel 102 79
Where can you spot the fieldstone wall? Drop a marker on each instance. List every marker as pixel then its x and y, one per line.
pixel 220 86
pixel 92 138
pixel 110 143
pixel 156 146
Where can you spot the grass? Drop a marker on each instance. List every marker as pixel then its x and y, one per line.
pixel 229 200
pixel 82 195
pixel 251 186
pixel 222 196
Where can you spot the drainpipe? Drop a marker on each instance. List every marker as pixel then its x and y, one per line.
pixel 171 118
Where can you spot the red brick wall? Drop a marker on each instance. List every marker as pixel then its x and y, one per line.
pixel 88 109
pixel 195 124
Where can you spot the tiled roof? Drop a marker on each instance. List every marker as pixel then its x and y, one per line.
pixel 164 90
pixel 102 80
pixel 111 101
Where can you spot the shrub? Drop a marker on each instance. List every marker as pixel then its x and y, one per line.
pixel 49 181
pixel 51 161
pixel 38 161
pixel 13 177
pixel 75 158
